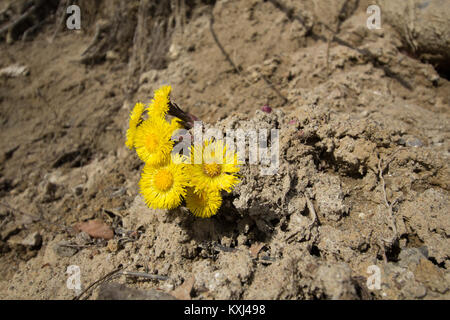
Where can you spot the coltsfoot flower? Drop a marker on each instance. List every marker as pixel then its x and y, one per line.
pixel 135 120
pixel 212 167
pixel 159 105
pixel 164 186
pixel 203 204
pixel 152 140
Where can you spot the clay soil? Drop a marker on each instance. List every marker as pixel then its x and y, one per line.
pixel 363 177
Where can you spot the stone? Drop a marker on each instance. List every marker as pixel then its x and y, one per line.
pixel 63 250
pixel 33 240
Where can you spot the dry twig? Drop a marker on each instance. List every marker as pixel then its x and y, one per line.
pixel 144 275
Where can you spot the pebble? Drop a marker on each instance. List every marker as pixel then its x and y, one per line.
pixel 33 240
pixel 414 143
pixel 113 245
pixel 62 250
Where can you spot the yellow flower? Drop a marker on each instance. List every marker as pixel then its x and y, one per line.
pixel 163 186
pixel 203 204
pixel 135 119
pixel 212 167
pixel 159 105
pixel 152 140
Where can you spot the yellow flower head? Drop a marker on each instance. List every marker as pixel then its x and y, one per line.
pixel 163 186
pixel 135 119
pixel 203 204
pixel 159 105
pixel 152 140
pixel 212 167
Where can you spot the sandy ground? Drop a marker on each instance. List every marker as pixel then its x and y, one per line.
pixel 363 178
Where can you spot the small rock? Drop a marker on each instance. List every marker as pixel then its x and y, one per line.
pixel 33 240
pixel 414 143
pixel 82 238
pixel 174 51
pixel 113 245
pixel 61 249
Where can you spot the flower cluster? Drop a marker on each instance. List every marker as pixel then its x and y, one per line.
pixel 169 180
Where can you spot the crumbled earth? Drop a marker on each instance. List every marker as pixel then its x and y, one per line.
pixel 362 182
